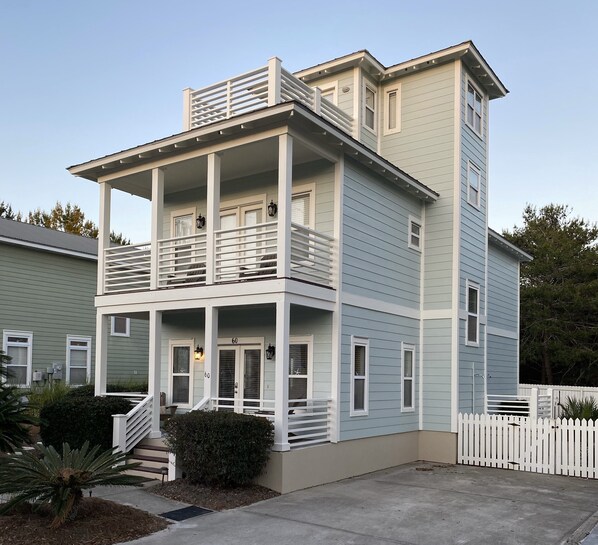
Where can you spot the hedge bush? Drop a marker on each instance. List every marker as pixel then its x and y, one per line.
pixel 74 420
pixel 88 390
pixel 220 448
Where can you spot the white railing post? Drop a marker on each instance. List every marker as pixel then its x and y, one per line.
pixel 103 235
pixel 154 370
pixel 101 363
pixel 533 404
pixel 156 225
pixel 317 100
pixel 274 81
pixel 229 99
pixel 212 215
pixel 119 432
pixel 187 108
pixel 285 180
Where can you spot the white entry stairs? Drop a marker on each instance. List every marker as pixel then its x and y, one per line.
pixel 153 455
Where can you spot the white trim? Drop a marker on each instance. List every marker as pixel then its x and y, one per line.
pixel 422 283
pixel 476 89
pixel 309 341
pixel 114 333
pixel 405 347
pixel 498 332
pixel 259 198
pixel 473 167
pixel 192 210
pixel 437 314
pixel 69 339
pixel 417 221
pixel 396 88
pixel 327 89
pixel 470 285
pixel 373 88
pixel 29 345
pixel 50 249
pixel 360 341
pixel 302 189
pixel 378 305
pixel 172 343
pixel 357 97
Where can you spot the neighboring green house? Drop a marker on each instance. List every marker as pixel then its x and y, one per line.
pixel 47 316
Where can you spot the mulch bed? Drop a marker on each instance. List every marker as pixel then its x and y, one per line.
pixel 216 499
pixel 98 522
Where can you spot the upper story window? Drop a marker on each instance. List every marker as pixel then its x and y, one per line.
pixel 18 345
pixel 120 327
pixel 415 234
pixel 407 376
pixel 78 359
pixel 473 185
pixel 473 314
pixel 474 109
pixel 392 109
pixel 329 92
pixel 369 114
pixel 360 349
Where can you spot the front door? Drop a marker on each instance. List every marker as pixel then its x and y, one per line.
pixel 181 365
pixel 239 376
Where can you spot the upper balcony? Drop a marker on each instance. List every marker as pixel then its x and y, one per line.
pixel 265 86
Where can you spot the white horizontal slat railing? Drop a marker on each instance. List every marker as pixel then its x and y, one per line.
pixel 311 255
pixel 129 429
pixel 534 404
pixel 182 261
pixel 127 268
pixel 309 422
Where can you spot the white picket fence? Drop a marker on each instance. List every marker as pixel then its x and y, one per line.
pixel 544 445
pixel 560 393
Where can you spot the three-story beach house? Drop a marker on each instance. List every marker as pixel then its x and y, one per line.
pixel 320 256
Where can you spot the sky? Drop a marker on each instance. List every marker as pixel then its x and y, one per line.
pixel 82 79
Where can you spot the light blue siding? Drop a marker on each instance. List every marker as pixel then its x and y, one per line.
pixel 503 288
pixel 502 365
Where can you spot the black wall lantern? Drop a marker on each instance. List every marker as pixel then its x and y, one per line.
pixel 270 351
pixel 272 209
pixel 200 222
pixel 198 353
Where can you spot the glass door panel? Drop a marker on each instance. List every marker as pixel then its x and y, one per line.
pixel 181 375
pixel 228 384
pixel 252 365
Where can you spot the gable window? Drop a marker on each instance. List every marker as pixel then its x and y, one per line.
pixel 369 116
pixel 407 376
pixel 18 345
pixel 473 185
pixel 474 109
pixel 78 360
pixel 359 376
pixel 392 122
pixel 120 326
pixel 299 369
pixel 473 314
pixel 415 234
pixel 329 93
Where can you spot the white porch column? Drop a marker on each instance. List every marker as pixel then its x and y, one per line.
pixel 212 214
pixel 285 190
pixel 156 223
pixel 104 232
pixel 154 371
pixel 210 353
pixel 281 380
pixel 101 370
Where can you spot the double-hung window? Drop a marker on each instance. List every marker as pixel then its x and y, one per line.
pixel 360 353
pixel 407 378
pixel 369 114
pixel 415 234
pixel 392 120
pixel 299 369
pixel 78 359
pixel 474 109
pixel 473 314
pixel 473 185
pixel 18 345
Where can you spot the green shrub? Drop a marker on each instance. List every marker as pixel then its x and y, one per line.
pixel 82 391
pixel 75 420
pixel 48 478
pixel 42 395
pixel 584 409
pixel 220 448
pixel 118 387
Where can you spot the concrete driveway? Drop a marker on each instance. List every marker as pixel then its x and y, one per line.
pixel 423 504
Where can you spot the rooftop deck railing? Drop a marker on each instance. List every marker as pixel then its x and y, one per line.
pixel 265 86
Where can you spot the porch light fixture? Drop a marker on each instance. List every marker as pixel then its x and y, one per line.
pixel 272 209
pixel 270 351
pixel 200 222
pixel 198 353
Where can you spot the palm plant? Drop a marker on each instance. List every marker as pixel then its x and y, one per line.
pixel 583 409
pixel 46 478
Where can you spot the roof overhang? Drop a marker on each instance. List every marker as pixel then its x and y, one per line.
pixel 501 242
pixel 292 114
pixel 47 248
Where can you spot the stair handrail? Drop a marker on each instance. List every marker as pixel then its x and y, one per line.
pixel 129 429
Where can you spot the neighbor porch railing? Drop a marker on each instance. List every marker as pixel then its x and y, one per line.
pixel 259 88
pixel 535 405
pixel 129 429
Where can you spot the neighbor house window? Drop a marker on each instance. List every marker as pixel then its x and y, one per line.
pixel 415 234
pixel 473 184
pixel 359 376
pixel 474 109
pixel 392 111
pixel 78 360
pixel 369 117
pixel 407 375
pixel 473 313
pixel 120 327
pixel 299 369
pixel 18 345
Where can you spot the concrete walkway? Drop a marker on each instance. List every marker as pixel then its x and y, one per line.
pixel 415 504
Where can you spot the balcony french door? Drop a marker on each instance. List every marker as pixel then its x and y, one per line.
pixel 239 376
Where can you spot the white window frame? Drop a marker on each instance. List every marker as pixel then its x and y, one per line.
pixel 408 348
pixel 309 341
pixel 310 189
pixel 472 315
pixel 415 221
pixel 476 91
pixel 6 343
pixel 394 89
pixel 115 333
pixel 360 341
pixel 183 212
pixel 185 343
pixel 328 89
pixel 372 88
pixel 476 202
pixel 69 339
